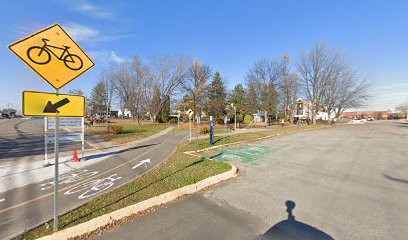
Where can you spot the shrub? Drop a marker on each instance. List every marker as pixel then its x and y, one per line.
pixel 173 120
pixel 204 130
pixel 320 121
pixel 115 129
pixel 247 119
pixel 240 118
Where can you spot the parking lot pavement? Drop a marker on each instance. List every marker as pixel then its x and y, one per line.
pixel 345 182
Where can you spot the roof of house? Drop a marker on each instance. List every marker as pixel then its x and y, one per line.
pixel 261 114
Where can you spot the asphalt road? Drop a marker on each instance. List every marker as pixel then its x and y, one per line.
pixel 22 140
pixel 28 206
pixel 346 182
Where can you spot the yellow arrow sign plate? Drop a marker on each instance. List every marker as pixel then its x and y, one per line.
pixel 53 54
pixel 53 105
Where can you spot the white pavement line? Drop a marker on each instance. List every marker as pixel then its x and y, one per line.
pixel 141 163
pixel 106 219
pixel 2 200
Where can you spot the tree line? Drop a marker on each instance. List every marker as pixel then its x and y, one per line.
pixel 320 75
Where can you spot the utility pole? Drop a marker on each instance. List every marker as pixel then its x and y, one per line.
pixel 107 112
pixel 235 120
pixel 235 116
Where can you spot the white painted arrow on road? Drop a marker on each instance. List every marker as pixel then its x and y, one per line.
pixel 141 163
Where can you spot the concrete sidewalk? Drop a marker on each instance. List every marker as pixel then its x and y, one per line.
pixel 21 174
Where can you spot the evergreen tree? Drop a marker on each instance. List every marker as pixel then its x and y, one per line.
pixel 237 97
pixel 166 110
pixel 216 96
pixel 270 103
pixel 251 105
pixel 98 105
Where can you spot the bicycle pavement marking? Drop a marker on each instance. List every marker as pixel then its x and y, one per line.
pixel 79 183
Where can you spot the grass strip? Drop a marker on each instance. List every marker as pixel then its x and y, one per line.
pixel 178 171
pixel 221 140
pixel 131 132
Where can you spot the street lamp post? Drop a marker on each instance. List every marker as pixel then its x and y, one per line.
pixel 235 116
pixel 178 119
pixel 235 119
pixel 107 112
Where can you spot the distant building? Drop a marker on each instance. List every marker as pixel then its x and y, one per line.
pixel 375 114
pixel 303 111
pixel 113 114
pixel 259 117
pixel 125 114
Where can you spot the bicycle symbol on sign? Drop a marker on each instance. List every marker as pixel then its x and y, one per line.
pixel 94 187
pixel 42 55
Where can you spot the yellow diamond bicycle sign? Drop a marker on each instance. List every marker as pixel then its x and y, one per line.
pixel 53 54
pixel 53 105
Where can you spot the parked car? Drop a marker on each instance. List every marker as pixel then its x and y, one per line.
pixel 357 120
pixel 370 119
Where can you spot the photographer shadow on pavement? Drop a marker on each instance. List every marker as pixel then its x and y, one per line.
pixel 291 229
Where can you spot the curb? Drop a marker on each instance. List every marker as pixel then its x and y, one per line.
pixel 104 220
pixel 191 153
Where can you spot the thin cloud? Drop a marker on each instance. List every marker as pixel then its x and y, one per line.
pixel 25 30
pixel 115 58
pixel 81 33
pixel 105 58
pixel 391 87
pixel 91 9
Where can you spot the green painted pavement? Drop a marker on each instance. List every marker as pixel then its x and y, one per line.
pixel 245 154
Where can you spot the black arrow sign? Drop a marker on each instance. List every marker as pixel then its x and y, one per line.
pixel 52 108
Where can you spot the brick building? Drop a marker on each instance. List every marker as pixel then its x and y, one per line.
pixel 375 114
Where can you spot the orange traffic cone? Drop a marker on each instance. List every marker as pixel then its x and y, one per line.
pixel 75 157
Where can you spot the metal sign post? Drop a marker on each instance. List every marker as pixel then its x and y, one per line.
pixel 56 153
pixel 189 121
pixel 211 131
pixel 235 118
pixel 46 163
pixel 190 114
pixel 37 51
pixel 178 119
pixel 83 138
pixel 225 123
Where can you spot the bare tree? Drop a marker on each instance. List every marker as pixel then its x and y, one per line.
pixel 402 107
pixel 316 68
pixel 166 75
pixel 265 76
pixel 76 92
pixel 197 77
pixel 105 77
pixel 289 88
pixel 336 79
pixel 330 83
pixel 128 80
pixel 353 93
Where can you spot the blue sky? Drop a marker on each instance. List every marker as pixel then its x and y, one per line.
pixel 228 35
